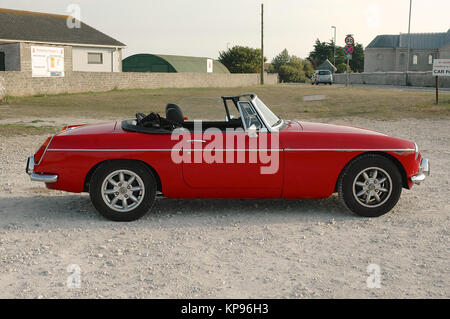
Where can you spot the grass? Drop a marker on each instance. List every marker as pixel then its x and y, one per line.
pixel 284 100
pixel 7 130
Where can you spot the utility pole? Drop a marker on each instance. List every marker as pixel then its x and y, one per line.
pixel 262 43
pixel 334 46
pixel 409 43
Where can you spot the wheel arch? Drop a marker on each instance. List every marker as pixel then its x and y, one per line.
pixel 87 179
pixel 397 163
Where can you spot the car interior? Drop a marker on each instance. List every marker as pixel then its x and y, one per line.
pixel 154 123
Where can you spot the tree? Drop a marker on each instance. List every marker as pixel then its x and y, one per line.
pixel 291 68
pixel 341 68
pixel 321 52
pixel 279 60
pixel 325 50
pixel 288 73
pixel 357 61
pixel 240 59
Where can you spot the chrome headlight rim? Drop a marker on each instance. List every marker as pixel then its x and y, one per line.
pixel 416 149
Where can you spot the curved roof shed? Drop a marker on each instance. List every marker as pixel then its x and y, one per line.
pixel 169 64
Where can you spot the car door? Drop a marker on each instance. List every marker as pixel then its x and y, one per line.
pixel 247 161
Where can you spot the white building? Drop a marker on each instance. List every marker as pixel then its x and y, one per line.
pixel 45 46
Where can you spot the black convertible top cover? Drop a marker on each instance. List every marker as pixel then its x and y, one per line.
pixel 131 126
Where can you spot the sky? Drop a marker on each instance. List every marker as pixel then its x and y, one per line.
pixel 206 27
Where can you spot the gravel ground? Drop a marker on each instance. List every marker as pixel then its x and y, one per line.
pixel 227 249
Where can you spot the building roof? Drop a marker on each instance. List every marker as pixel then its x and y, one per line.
pixel 192 64
pixel 29 26
pixel 327 65
pixel 169 63
pixel 419 41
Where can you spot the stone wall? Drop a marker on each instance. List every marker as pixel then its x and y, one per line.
pixel 22 84
pixel 422 79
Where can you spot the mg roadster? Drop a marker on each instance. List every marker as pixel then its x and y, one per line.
pixel 250 155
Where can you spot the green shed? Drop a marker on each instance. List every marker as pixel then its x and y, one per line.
pixel 170 64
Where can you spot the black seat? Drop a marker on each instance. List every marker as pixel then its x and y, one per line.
pixel 174 114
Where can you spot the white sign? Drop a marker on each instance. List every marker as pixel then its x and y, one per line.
pixel 441 67
pixel 47 61
pixel 209 66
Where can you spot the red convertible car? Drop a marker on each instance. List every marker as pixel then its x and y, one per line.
pixel 251 155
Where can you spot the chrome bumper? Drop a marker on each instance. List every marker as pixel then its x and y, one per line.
pixel 38 177
pixel 424 171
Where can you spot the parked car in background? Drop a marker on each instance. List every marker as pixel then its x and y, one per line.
pixel 322 76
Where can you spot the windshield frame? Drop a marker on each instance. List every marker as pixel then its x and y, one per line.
pixel 273 127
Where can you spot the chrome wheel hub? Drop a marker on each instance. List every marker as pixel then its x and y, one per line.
pixel 372 187
pixel 123 190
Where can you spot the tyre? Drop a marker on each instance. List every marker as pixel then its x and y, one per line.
pixel 370 186
pixel 123 191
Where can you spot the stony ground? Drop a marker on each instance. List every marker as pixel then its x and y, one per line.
pixel 236 249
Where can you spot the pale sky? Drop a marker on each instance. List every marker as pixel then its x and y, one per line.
pixel 204 27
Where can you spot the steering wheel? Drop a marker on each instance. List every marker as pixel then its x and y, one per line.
pixel 153 118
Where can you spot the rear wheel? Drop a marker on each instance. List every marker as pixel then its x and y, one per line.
pixel 370 186
pixel 123 190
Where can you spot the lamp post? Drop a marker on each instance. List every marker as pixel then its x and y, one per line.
pixel 334 46
pixel 262 43
pixel 409 43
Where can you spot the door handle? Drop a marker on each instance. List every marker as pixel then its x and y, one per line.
pixel 196 141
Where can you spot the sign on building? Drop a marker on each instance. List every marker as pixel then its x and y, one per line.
pixel 209 66
pixel 47 61
pixel 441 67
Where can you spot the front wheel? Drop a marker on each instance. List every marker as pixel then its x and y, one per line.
pixel 370 186
pixel 123 191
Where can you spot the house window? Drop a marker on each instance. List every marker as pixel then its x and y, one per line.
pixel 430 59
pixel 402 59
pixel 95 58
pixel 415 59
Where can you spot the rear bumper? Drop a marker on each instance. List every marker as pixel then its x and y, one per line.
pixel 424 171
pixel 37 177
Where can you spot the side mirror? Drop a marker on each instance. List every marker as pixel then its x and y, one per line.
pixel 253 131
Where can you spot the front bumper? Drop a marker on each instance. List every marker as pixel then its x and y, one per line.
pixel 424 171
pixel 35 177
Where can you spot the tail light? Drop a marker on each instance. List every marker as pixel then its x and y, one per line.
pixel 41 151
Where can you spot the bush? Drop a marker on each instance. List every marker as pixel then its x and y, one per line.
pixel 291 68
pixel 342 68
pixel 289 73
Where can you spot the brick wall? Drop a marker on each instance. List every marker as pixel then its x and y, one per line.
pixel 423 79
pixel 22 84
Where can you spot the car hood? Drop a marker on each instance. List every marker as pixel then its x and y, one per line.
pixel 337 129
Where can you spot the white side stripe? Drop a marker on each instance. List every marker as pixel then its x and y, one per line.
pixel 236 150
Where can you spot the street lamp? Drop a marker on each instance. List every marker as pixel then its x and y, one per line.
pixel 334 46
pixel 409 43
